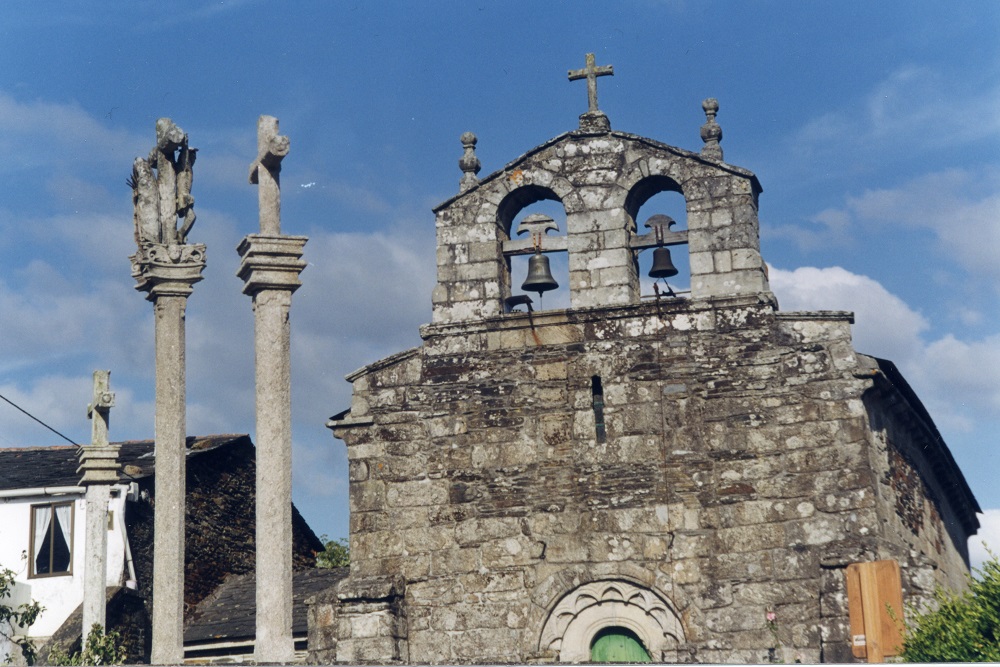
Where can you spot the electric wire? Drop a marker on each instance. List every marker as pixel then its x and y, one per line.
pixel 38 420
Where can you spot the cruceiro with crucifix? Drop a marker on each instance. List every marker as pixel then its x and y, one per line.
pixel 594 118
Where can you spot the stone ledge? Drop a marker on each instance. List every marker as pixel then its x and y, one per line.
pixel 579 316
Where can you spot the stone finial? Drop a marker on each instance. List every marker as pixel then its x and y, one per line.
pixel 594 119
pixel 469 163
pixel 711 132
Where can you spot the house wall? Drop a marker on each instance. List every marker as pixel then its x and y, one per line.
pixel 60 594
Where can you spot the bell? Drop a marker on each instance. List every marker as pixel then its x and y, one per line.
pixel 539 276
pixel 663 266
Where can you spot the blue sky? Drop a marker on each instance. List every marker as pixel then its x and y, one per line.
pixel 873 127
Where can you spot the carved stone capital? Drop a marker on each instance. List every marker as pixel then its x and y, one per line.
pixel 271 262
pixel 167 270
pixel 99 464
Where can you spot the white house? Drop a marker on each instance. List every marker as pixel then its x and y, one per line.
pixel 42 519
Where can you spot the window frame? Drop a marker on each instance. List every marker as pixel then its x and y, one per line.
pixel 32 574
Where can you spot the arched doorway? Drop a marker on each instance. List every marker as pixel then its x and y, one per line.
pixel 616 644
pixel 616 609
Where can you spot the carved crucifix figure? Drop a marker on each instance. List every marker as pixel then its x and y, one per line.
pixel 590 73
pixel 161 188
pixel 265 172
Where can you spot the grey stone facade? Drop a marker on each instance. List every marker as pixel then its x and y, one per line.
pixel 679 466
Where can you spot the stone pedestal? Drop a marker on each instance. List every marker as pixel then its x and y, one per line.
pixel 167 274
pixel 270 269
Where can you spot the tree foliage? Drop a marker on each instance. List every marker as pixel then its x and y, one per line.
pixel 99 649
pixel 15 621
pixel 965 627
pixel 336 553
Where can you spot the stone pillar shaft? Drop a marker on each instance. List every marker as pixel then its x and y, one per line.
pixel 99 465
pixel 274 476
pixel 168 520
pixel 95 569
pixel 270 269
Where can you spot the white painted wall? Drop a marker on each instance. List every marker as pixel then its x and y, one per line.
pixel 59 595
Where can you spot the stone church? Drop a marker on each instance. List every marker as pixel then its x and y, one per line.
pixel 689 475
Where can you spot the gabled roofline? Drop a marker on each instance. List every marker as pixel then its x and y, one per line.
pixel 680 152
pixel 933 447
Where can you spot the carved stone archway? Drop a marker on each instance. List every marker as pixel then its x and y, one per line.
pixel 581 614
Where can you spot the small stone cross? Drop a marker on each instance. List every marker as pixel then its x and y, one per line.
pixel 590 73
pixel 99 411
pixel 265 171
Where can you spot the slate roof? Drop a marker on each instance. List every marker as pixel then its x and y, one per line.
pixel 30 467
pixel 229 614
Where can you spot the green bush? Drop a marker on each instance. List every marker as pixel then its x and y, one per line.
pixel 14 620
pixel 964 628
pixel 99 649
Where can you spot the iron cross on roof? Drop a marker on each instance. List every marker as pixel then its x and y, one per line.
pixel 590 73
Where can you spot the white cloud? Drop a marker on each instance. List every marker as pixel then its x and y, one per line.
pixel 915 107
pixel 46 134
pixel 61 402
pixel 958 207
pixel 829 227
pixel 989 532
pixel 885 326
pixel 958 381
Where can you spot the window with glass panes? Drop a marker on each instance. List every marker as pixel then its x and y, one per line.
pixel 51 539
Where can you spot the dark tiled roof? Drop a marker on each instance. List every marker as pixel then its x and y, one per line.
pixel 31 467
pixel 229 614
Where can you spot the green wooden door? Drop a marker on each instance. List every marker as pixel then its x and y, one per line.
pixel 617 645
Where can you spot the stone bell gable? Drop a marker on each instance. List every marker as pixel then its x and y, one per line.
pixel 661 474
pixel 601 179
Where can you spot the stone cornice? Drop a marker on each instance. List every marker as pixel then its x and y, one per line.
pixel 271 262
pixel 98 464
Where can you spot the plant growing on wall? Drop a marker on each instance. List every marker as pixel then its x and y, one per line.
pixel 336 553
pixel 964 627
pixel 99 649
pixel 14 621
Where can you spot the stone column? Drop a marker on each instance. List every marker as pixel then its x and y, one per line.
pixel 270 270
pixel 166 268
pixel 99 465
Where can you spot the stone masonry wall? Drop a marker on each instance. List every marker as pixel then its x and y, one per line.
pixel 737 475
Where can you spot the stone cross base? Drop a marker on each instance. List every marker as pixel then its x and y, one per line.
pixel 594 121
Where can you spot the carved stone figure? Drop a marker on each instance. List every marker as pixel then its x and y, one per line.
pixel 161 188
